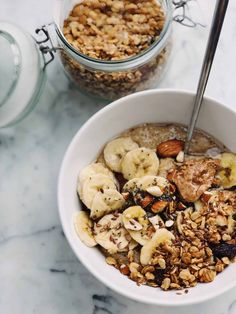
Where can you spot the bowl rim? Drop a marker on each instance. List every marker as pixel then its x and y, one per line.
pixel 199 299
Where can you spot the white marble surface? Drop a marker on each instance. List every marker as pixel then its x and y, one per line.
pixel 38 271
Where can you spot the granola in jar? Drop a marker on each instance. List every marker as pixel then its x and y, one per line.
pixel 118 47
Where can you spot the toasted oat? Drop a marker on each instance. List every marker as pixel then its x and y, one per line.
pixel 166 284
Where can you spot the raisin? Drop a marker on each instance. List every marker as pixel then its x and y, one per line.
pixel 120 179
pixel 224 250
pixel 159 275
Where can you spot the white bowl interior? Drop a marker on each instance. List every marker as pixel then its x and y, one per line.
pixel 150 106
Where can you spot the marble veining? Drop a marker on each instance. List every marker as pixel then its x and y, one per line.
pixel 38 271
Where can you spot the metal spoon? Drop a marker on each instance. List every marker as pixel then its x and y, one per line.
pixel 218 19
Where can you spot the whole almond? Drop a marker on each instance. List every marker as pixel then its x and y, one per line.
pixel 170 148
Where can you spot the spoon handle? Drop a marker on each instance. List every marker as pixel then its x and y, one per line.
pixel 218 19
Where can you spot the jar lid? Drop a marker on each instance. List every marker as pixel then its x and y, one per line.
pixel 21 74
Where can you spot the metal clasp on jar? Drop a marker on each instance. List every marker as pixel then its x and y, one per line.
pixel 49 49
pixel 181 14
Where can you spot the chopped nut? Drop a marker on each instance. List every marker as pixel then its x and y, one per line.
pixel 186 258
pixel 169 223
pixel 148 269
pixel 165 284
pixel 206 275
pixel 226 237
pixel 206 196
pixel 131 256
pixel 147 200
pixel 159 206
pixel 195 215
pixel 155 191
pixel 110 261
pixel 186 275
pixel 180 156
pixel 134 267
pixel 175 285
pixel 219 267
pixel 124 269
pixel 149 276
pixel 162 263
pixel 226 260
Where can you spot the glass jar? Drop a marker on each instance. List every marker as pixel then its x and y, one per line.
pixel 114 79
pixel 21 73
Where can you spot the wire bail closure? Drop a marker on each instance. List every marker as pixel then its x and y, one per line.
pixel 47 50
pixel 182 17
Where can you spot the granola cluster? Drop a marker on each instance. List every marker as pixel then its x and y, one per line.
pixel 115 30
pixel 204 245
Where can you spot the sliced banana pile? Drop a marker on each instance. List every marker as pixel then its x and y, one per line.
pixel 110 233
pixel 115 151
pixel 125 156
pixel 161 236
pixel 97 189
pixel 228 174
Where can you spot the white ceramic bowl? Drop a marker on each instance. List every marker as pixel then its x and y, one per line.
pixel 149 106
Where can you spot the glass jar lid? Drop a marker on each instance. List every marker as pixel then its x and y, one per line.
pixel 21 73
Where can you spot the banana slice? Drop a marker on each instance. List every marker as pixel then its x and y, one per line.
pixel 115 151
pixel 83 226
pixel 92 169
pixel 147 182
pixel 131 185
pixel 110 233
pixel 136 222
pixel 95 183
pixel 105 202
pixel 228 174
pixel 161 236
pixel 139 162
